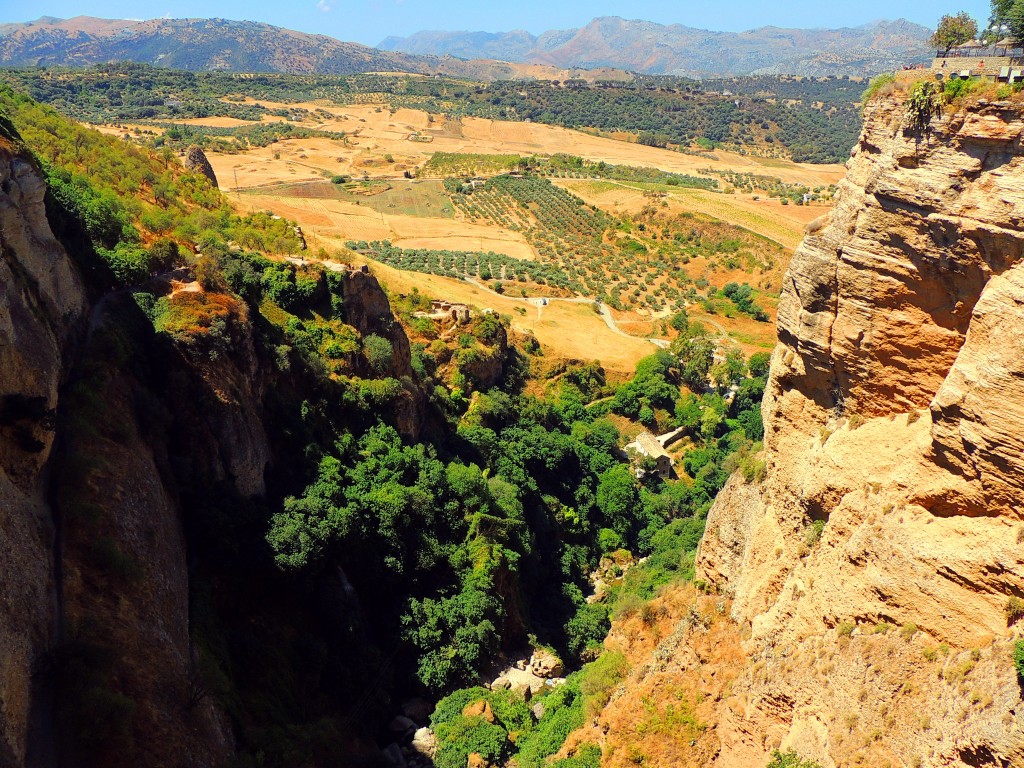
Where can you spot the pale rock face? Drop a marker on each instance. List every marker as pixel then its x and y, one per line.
pixel 894 412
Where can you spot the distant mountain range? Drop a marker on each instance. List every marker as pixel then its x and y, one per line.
pixel 644 46
pixel 221 44
pixel 606 44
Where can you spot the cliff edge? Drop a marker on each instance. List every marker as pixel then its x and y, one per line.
pixel 894 416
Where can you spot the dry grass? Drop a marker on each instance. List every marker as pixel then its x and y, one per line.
pixel 666 713
pixel 403 215
pixel 374 131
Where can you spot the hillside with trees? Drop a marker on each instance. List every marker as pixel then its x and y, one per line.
pixel 424 501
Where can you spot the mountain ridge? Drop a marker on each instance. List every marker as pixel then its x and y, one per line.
pixel 676 49
pixel 200 44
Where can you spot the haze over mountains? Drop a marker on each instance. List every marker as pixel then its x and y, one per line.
pixel 214 44
pixel 644 46
pixel 609 42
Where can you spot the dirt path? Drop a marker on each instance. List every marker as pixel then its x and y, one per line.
pixel 602 310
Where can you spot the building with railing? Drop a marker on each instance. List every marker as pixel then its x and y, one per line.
pixel 1002 61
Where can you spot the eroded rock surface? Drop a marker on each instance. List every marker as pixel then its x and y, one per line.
pixel 42 301
pixel 894 415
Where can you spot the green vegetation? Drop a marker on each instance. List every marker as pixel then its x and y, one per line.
pixel 422 517
pixel 633 261
pixel 1014 610
pixel 677 111
pixel 957 88
pixel 1008 14
pixel 811 119
pixel 562 166
pixel 877 84
pixel 790 760
pixel 925 101
pixel 1018 658
pixel 500 726
pixel 953 30
pixel 773 187
pixel 459 264
pixel 444 164
pixel 125 196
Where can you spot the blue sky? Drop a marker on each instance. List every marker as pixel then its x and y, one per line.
pixel 369 21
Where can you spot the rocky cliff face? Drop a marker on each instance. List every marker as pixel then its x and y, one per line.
pixel 132 472
pixel 893 417
pixel 42 302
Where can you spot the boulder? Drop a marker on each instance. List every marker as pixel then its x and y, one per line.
pixel 424 742
pixel 501 684
pixel 394 755
pixel 196 162
pixel 523 690
pixel 402 724
pixel 544 663
pixel 479 709
pixel 417 710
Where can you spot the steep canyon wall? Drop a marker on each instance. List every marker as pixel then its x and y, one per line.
pixel 894 417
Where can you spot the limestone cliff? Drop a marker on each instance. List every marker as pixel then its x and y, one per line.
pixel 42 302
pixel 894 416
pixel 133 471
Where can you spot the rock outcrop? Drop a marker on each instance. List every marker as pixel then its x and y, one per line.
pixel 42 303
pixel 195 161
pixel 894 416
pixel 131 463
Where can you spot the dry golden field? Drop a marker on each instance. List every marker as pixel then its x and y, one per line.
pixel 289 178
pixel 375 131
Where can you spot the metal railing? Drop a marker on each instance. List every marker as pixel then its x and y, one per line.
pixel 980 53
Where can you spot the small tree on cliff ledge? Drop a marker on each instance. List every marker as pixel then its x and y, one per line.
pixel 953 30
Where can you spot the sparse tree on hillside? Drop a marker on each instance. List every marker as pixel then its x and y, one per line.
pixel 954 30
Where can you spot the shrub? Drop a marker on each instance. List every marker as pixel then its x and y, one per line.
pixel 1018 657
pixel 587 628
pixel 925 101
pixel 600 678
pixel 468 735
pixel 957 88
pixel 587 756
pixel 845 628
pixel 200 321
pixel 1014 610
pixel 609 540
pixel 880 84
pixel 563 714
pixel 790 760
pixel 129 263
pixel 814 531
pixel 378 351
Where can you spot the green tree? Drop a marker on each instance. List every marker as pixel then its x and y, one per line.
pixel 378 352
pixel 758 364
pixel 696 353
pixel 617 497
pixel 730 371
pixel 953 30
pixel 1007 18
